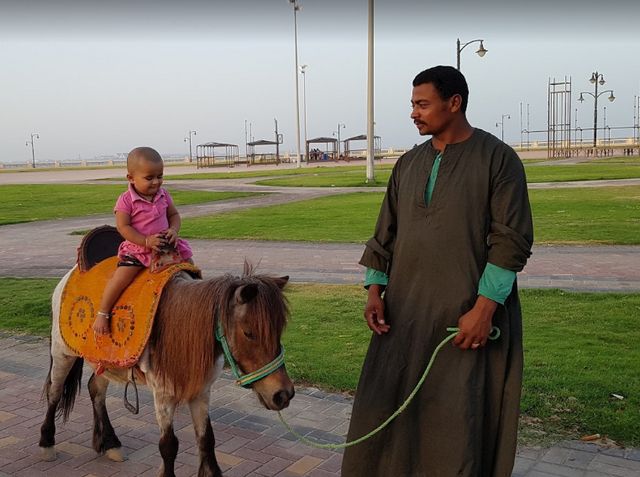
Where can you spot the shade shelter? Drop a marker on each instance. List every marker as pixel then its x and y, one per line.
pixel 263 157
pixel 328 152
pixel 210 154
pixel 362 153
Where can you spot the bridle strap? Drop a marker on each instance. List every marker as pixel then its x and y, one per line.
pixel 246 380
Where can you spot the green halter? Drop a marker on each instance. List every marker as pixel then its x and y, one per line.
pixel 248 379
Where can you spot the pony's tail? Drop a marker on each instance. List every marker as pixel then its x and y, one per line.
pixel 70 388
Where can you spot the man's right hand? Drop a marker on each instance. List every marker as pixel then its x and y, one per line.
pixel 374 310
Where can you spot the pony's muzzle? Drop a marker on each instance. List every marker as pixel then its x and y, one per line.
pixel 281 398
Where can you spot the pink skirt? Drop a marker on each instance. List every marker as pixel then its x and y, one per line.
pixel 144 254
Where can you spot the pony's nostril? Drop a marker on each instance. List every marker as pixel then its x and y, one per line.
pixel 281 399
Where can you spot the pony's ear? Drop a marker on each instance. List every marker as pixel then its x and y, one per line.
pixel 282 281
pixel 246 293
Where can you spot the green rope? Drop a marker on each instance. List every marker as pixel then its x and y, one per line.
pixel 495 334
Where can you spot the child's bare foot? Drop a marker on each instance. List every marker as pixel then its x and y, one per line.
pixel 101 324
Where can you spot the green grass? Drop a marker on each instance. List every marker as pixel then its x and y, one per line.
pixel 583 172
pixel 604 215
pixel 27 203
pixel 579 349
pixel 340 218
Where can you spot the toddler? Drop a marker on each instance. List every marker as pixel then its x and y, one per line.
pixel 148 221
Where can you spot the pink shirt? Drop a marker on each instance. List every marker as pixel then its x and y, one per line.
pixel 148 218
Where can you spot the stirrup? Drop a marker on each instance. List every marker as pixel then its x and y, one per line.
pixel 130 407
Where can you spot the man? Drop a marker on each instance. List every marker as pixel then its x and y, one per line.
pixel 454 228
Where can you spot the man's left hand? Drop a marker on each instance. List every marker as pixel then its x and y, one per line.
pixel 475 325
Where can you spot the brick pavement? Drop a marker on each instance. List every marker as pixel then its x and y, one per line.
pixel 250 441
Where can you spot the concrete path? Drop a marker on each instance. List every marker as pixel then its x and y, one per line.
pixel 250 441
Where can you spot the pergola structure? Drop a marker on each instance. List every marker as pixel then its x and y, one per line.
pixel 361 153
pixel 263 158
pixel 206 155
pixel 330 149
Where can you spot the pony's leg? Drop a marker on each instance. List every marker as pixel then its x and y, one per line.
pixel 168 445
pixel 60 389
pixel 199 408
pixel 104 437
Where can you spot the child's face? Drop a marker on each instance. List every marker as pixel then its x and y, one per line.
pixel 146 177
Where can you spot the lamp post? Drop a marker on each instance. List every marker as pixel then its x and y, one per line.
pixel 303 70
pixel 188 139
pixel 33 151
pixel 370 96
pixel 481 51
pixel 596 78
pixel 296 7
pixel 340 125
pixel 501 124
pixel 636 119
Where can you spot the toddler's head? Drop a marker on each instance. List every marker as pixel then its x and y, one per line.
pixel 138 156
pixel 144 170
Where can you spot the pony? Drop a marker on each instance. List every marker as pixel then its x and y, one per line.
pixel 181 361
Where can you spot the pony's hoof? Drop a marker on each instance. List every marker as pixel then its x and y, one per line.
pixel 48 454
pixel 115 454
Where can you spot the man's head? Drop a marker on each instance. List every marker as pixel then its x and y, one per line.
pixel 439 96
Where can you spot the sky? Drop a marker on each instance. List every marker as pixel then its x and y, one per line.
pixel 95 78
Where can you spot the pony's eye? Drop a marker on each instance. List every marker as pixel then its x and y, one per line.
pixel 248 334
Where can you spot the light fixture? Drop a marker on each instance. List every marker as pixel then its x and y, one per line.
pixel 481 51
pixel 581 98
pixel 611 97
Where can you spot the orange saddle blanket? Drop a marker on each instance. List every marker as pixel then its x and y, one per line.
pixel 132 316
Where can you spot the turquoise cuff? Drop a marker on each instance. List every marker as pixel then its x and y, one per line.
pixel 496 283
pixel 375 277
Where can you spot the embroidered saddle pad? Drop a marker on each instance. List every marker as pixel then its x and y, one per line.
pixel 132 316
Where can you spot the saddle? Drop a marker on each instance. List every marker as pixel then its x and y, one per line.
pixel 133 313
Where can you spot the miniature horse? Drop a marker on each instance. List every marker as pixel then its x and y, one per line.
pixel 182 360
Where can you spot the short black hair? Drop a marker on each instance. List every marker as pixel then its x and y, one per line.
pixel 447 81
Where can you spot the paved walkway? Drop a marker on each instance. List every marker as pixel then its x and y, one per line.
pixel 250 441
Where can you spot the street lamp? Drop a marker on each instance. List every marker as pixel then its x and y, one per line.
pixel 33 152
pixel 501 124
pixel 296 7
pixel 481 51
pixel 188 138
pixel 303 70
pixel 596 78
pixel 340 125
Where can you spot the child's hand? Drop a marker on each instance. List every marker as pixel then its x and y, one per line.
pixel 155 241
pixel 171 236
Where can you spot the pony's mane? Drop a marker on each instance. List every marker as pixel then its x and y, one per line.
pixel 183 346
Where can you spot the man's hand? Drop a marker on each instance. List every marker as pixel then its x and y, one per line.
pixel 475 325
pixel 374 310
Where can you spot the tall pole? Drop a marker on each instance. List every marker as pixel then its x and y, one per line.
pixel 370 118
pixel 33 150
pixel 296 7
pixel 246 143
pixel 595 111
pixel 188 138
pixel 458 54
pixel 303 69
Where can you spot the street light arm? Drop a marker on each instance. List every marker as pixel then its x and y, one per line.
pixel 468 43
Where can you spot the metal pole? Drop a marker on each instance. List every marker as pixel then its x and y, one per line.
pixel 370 117
pixel 295 35
pixel 246 152
pixel 304 100
pixel 458 54
pixel 33 154
pixel 595 111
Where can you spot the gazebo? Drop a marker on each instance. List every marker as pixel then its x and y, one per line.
pixel 206 155
pixel 330 149
pixel 263 158
pixel 362 153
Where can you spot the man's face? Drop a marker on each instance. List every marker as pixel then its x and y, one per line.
pixel 430 113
